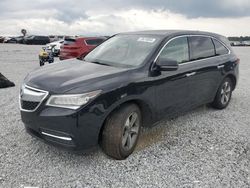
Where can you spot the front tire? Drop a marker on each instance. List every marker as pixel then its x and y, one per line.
pixel 121 132
pixel 41 62
pixel 223 95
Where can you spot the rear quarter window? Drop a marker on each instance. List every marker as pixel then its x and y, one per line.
pixel 69 41
pixel 42 38
pixel 201 47
pixel 94 42
pixel 220 49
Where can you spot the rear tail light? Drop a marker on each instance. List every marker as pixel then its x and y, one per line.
pixel 238 61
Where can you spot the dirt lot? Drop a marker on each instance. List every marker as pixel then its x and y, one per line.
pixel 203 148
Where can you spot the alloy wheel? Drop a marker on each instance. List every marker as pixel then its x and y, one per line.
pixel 131 130
pixel 225 93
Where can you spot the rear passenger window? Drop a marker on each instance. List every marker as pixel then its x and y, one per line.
pixel 176 50
pixel 220 48
pixel 201 47
pixel 94 42
pixel 69 41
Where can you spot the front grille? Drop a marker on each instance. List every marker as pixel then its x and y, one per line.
pixel 29 105
pixel 31 98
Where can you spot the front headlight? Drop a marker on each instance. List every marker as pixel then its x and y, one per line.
pixel 71 101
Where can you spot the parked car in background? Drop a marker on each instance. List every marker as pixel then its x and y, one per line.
pixel 56 47
pixel 39 40
pixel 1 39
pixel 10 40
pixel 131 80
pixel 78 47
pixel 46 55
pixel 246 43
pixel 13 40
pixel 18 40
pixel 60 37
pixel 53 38
pixel 240 43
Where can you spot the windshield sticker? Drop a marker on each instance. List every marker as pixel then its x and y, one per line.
pixel 145 39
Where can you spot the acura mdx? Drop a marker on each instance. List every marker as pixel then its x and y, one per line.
pixel 131 80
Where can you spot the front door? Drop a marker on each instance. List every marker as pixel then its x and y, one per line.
pixel 172 88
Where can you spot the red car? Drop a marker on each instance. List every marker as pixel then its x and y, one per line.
pixel 79 47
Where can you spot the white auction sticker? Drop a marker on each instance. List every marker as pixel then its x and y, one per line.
pixel 146 39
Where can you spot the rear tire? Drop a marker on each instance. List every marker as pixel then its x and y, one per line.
pixel 223 95
pixel 121 132
pixel 41 63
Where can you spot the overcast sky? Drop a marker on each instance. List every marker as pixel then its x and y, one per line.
pixel 106 17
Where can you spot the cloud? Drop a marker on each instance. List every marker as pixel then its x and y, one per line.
pixel 199 8
pixel 69 11
pixel 126 20
pixel 111 16
pixel 60 10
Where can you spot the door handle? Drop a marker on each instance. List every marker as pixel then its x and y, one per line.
pixel 190 74
pixel 220 66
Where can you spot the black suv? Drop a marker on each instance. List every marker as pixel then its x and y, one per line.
pixel 129 81
pixel 38 40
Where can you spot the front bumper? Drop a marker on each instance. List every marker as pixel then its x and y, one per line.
pixel 72 130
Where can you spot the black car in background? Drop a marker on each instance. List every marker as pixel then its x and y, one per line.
pixel 38 40
pixel 129 81
pixel 1 39
pixel 15 40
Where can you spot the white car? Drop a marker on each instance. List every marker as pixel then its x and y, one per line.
pixel 55 46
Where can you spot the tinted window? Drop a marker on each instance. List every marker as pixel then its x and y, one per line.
pixel 69 41
pixel 41 38
pixel 94 42
pixel 201 47
pixel 37 38
pixel 219 48
pixel 177 50
pixel 29 37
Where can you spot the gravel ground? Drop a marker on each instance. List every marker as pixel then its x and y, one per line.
pixel 203 148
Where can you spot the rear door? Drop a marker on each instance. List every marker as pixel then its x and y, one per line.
pixel 38 40
pixel 204 65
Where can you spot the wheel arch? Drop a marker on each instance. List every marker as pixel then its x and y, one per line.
pixel 146 111
pixel 233 79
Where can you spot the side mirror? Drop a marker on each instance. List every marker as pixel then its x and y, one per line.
pixel 165 64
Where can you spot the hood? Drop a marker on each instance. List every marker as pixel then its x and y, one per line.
pixel 67 75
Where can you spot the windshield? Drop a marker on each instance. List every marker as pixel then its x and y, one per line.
pixel 123 50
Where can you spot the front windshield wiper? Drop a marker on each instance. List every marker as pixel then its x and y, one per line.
pixel 99 63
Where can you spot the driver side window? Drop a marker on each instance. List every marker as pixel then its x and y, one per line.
pixel 176 50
